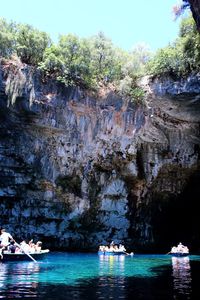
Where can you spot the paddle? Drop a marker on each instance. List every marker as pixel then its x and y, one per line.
pixel 25 252
pixel 128 253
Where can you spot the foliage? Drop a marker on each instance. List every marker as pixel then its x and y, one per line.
pixel 25 41
pixel 182 57
pixel 31 44
pixel 7 38
pixel 91 63
pixel 52 64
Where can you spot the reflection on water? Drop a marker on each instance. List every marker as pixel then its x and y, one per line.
pixel 111 286
pixel 20 280
pixel 71 276
pixel 182 275
pixel 109 264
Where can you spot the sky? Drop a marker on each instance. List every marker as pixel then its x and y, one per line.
pixel 126 22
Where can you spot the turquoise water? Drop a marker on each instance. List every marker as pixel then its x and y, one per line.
pixel 89 276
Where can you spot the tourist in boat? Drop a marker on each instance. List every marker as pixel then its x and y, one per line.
pixel 38 246
pixel 174 249
pixel 116 249
pixel 179 249
pixel 5 238
pixel 32 246
pixel 25 246
pixel 101 248
pixel 112 248
pixel 122 248
pixel 12 247
pixel 107 249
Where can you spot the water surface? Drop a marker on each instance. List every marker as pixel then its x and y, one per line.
pixel 89 276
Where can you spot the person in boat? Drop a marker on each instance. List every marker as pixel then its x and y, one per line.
pixel 116 249
pixel 112 248
pixel 101 248
pixel 5 238
pixel 112 244
pixel 38 246
pixel 25 246
pixel 182 248
pixel 12 247
pixel 122 248
pixel 32 246
pixel 107 249
pixel 173 249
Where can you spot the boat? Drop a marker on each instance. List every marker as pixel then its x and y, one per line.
pixel 8 256
pixel 179 251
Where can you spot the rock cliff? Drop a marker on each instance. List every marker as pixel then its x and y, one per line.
pixel 78 171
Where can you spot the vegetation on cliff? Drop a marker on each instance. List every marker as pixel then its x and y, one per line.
pixel 88 63
pixel 95 62
pixel 180 58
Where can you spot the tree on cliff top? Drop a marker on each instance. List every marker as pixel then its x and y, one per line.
pixel 31 44
pixel 24 40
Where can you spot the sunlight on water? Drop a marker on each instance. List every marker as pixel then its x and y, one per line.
pixel 80 272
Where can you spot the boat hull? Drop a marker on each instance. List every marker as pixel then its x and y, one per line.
pixel 24 257
pixel 111 253
pixel 179 254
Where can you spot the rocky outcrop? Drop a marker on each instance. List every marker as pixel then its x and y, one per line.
pixel 79 170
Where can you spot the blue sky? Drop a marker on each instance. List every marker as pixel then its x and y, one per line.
pixel 125 22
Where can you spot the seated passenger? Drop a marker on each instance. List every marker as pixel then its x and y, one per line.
pixel 32 246
pixel 24 246
pixel 102 248
pixel 186 249
pixel 122 248
pixel 182 248
pixel 111 248
pixel 174 249
pixel 116 249
pixel 107 249
pixel 12 247
pixel 38 246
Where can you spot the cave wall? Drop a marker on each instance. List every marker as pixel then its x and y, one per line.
pixel 79 170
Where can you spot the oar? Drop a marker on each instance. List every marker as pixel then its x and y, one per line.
pixel 168 252
pixel 128 253
pixel 25 252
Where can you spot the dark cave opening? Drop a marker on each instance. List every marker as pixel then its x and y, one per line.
pixel 177 218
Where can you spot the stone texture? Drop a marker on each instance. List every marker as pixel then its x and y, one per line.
pixel 77 171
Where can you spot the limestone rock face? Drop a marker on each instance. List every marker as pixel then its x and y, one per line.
pixel 79 171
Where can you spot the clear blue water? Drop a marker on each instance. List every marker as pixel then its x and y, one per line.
pixel 89 276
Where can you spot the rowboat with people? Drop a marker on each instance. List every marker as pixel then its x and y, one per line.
pixel 10 250
pixel 8 256
pixel 179 251
pixel 113 249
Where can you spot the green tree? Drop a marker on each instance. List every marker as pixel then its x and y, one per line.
pixel 31 44
pixel 180 58
pixel 103 58
pixel 7 38
pixel 52 64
